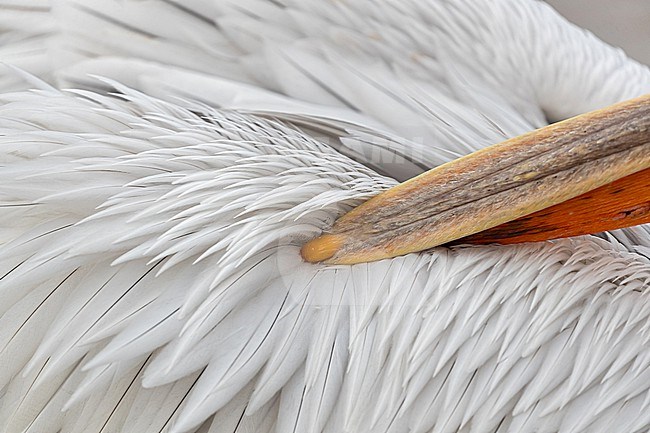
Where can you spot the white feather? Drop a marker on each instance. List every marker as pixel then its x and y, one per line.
pixel 150 277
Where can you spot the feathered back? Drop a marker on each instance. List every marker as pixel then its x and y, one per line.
pixel 150 279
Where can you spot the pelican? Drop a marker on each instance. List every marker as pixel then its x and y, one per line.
pixel 164 162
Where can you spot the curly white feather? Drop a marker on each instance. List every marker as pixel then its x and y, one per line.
pixel 150 277
pixel 158 262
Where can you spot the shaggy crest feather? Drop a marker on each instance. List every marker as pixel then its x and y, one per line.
pixel 150 224
pixel 208 228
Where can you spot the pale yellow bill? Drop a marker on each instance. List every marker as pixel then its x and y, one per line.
pixel 495 185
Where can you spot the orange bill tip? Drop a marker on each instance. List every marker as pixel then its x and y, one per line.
pixel 322 248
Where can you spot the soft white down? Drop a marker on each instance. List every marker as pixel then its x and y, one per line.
pixel 151 220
